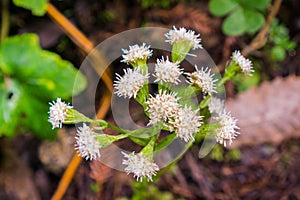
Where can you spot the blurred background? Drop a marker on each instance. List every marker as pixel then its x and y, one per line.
pixel 40 53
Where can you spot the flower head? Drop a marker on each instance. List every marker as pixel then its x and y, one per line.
pixel 215 105
pixel 227 130
pixel 203 79
pixel 86 143
pixel 140 165
pixel 162 106
pixel 58 112
pixel 244 63
pixel 167 71
pixel 186 123
pixel 130 83
pixel 183 35
pixel 136 53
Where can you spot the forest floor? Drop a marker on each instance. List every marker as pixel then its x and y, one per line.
pixel 268 169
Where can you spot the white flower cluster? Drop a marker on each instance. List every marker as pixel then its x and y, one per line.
pixel 163 106
pixel 215 105
pixel 86 143
pixel 140 165
pixel 227 130
pixel 244 63
pixel 186 123
pixel 136 53
pixel 181 34
pixel 203 79
pixel 130 83
pixel 167 71
pixel 58 112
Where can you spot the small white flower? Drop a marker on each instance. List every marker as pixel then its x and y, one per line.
pixel 175 36
pixel 136 53
pixel 140 166
pixel 215 105
pixel 130 83
pixel 58 112
pixel 162 106
pixel 227 130
pixel 86 143
pixel 203 79
pixel 167 71
pixel 244 63
pixel 186 123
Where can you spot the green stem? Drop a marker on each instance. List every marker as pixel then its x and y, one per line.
pixel 115 128
pixel 5 20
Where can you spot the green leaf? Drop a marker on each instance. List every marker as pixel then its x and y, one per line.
pixel 221 7
pixel 45 73
pixel 278 53
pixel 235 24
pixel 254 20
pixel 10 98
pixel 37 7
pixel 33 77
pixel 257 4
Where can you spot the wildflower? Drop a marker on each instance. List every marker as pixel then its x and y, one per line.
pixel 227 130
pixel 183 35
pixel 203 79
pixel 186 123
pixel 215 105
pixel 136 53
pixel 244 63
pixel 167 71
pixel 58 113
pixel 86 143
pixel 130 84
pixel 140 166
pixel 162 106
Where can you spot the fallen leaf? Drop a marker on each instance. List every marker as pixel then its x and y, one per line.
pixel 269 113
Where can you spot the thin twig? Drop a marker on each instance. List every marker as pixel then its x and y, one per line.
pixel 96 60
pixel 261 38
pixel 5 20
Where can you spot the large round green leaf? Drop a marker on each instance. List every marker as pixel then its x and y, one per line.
pixel 254 20
pixel 221 7
pixel 235 24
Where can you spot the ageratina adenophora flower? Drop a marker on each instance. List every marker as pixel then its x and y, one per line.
pixel 186 123
pixel 244 63
pixel 227 130
pixel 58 112
pixel 183 35
pixel 136 53
pixel 162 106
pixel 130 83
pixel 215 105
pixel 140 166
pixel 203 79
pixel 86 143
pixel 167 71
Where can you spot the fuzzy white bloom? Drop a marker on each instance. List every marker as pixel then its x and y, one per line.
pixel 203 79
pixel 186 123
pixel 215 105
pixel 167 71
pixel 58 112
pixel 227 130
pixel 86 143
pixel 181 34
pixel 140 166
pixel 244 63
pixel 136 53
pixel 162 106
pixel 130 83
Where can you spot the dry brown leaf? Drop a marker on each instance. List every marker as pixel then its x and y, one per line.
pixel 268 113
